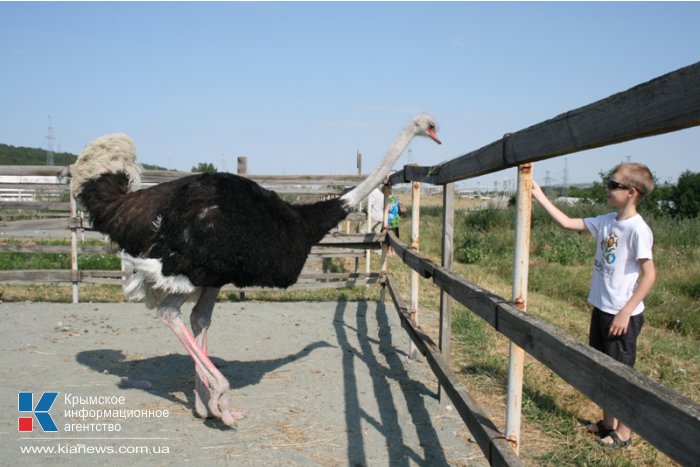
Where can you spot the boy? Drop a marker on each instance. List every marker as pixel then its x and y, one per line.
pixel 623 250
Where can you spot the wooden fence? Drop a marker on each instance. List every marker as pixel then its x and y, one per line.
pixel 666 419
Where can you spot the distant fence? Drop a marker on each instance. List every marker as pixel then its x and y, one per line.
pixel 666 419
pixel 353 239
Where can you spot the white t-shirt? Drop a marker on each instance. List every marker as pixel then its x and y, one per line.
pixel 620 246
pixel 376 203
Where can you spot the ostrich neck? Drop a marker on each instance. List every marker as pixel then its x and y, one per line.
pixel 361 191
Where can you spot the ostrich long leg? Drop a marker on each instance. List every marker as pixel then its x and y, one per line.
pixel 218 405
pixel 200 319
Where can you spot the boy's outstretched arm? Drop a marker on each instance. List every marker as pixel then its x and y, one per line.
pixel 559 217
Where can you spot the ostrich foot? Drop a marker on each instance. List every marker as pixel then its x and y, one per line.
pixel 214 404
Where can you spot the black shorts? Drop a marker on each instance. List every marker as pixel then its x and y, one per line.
pixel 621 348
pixel 396 231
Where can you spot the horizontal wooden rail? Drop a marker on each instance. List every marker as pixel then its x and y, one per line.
pixel 66 249
pixel 668 103
pixel 668 420
pixel 491 441
pixel 57 275
pixel 25 186
pixel 36 224
pixel 34 170
pixel 349 243
pixel 309 281
pixel 35 205
pixel 159 176
pixel 359 241
pixel 84 223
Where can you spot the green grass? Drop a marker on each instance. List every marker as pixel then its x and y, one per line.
pixel 20 261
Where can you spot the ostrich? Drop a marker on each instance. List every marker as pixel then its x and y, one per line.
pixel 186 238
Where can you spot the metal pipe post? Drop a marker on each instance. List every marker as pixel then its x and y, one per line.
pixel 368 253
pixel 415 242
pixel 521 261
pixel 448 224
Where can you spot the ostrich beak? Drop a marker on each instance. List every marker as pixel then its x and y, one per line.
pixel 433 135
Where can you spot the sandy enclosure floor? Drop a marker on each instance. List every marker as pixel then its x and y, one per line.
pixel 320 383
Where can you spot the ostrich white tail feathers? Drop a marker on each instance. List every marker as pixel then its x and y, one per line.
pixel 107 154
pixel 148 282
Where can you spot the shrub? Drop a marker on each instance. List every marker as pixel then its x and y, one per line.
pixel 484 234
pixel 686 195
pixel 472 251
pixel 555 245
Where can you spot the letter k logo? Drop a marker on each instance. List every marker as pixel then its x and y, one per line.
pixel 25 403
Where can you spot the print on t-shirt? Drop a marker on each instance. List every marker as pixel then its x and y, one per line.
pixel 609 246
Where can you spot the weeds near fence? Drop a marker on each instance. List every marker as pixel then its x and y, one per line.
pixel 560 273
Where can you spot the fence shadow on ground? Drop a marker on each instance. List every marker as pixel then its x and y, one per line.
pixel 413 392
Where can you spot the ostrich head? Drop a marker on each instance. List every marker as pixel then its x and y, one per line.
pixel 420 125
pixel 424 125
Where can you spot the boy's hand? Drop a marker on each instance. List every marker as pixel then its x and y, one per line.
pixel 536 190
pixel 559 217
pixel 619 325
pixel 538 194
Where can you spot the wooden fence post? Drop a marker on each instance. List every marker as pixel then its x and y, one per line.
pixel 358 227
pixel 242 169
pixel 415 243
pixel 448 221
pixel 516 358
pixel 368 253
pixel 74 247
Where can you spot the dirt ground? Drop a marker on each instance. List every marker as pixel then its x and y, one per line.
pixel 320 383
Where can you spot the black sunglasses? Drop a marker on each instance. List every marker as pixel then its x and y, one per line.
pixel 613 185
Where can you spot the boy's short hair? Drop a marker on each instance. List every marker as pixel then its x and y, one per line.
pixel 636 175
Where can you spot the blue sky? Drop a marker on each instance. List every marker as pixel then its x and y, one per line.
pixel 299 87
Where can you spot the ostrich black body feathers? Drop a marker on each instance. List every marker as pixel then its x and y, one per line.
pixel 214 229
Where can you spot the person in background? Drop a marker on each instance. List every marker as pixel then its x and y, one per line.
pixel 376 209
pixel 395 210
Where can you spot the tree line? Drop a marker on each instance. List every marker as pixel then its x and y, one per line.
pixel 681 199
pixel 20 155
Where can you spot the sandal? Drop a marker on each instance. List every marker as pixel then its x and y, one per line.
pixel 617 442
pixel 598 428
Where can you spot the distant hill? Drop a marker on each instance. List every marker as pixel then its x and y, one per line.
pixel 18 155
